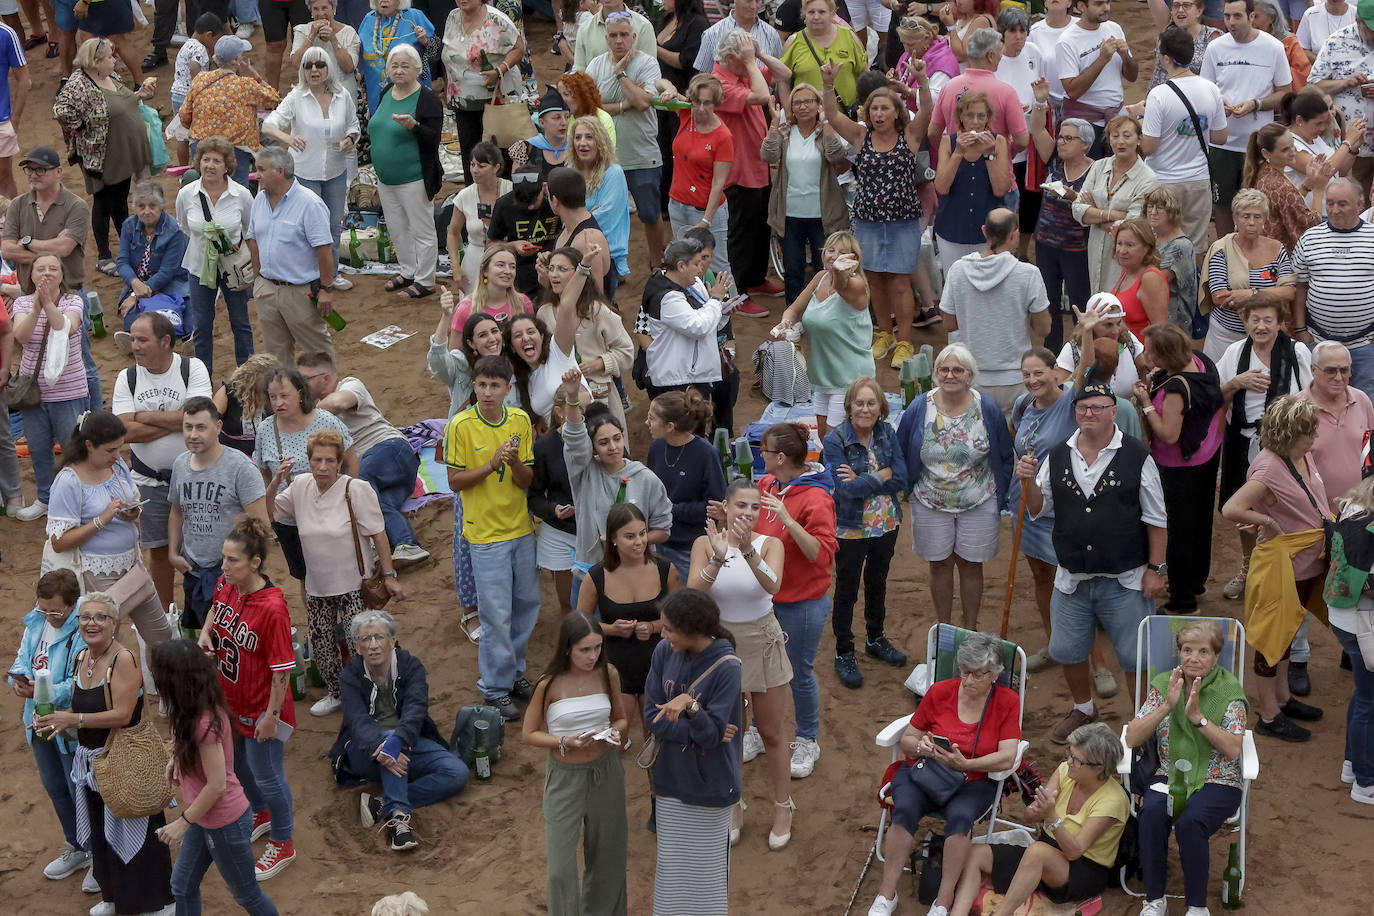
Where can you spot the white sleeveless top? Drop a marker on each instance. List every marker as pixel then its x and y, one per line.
pixel 575 716
pixel 737 590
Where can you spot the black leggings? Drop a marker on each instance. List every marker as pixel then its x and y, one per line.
pixel 109 205
pixel 851 558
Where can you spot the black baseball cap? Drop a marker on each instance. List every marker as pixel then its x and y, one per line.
pixel 1094 390
pixel 44 156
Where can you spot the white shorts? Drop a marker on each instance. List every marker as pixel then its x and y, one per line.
pixel 864 12
pixel 554 549
pixel 9 7
pixel 829 404
pixel 972 535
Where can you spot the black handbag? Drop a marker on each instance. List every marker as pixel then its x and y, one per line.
pixel 938 781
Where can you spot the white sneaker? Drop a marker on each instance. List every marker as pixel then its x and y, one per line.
pixel 1154 908
pixel 753 745
pixel 14 506
pixel 325 705
pixel 103 908
pixel 1347 772
pixel 88 884
pixel 69 862
pixel 1362 794
pixel 805 753
pixel 883 907
pixel 1198 911
pixel 244 31
pixel 32 512
pixel 936 910
pixel 342 283
pixel 408 553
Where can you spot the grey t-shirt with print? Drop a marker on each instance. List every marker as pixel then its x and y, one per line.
pixel 210 500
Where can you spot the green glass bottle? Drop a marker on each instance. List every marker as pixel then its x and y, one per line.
pixel 1231 881
pixel 722 443
pixel 481 753
pixel 909 384
pixel 620 493
pixel 670 104
pixel 385 252
pixel 744 459
pixel 43 700
pixel 335 320
pixel 355 256
pixel 487 65
pixel 1178 788
pixel 97 316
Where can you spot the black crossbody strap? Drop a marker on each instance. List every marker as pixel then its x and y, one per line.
pixel 1197 122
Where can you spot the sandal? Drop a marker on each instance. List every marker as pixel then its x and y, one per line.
pixel 397 282
pixel 34 41
pixel 417 291
pixel 52 50
pixel 108 267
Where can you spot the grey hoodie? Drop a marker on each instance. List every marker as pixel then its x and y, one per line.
pixel 594 493
pixel 992 298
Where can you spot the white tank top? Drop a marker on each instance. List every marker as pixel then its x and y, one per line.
pixel 737 590
pixel 575 716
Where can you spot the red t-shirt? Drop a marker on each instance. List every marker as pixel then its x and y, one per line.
pixel 938 714
pixel 231 803
pixel 253 635
pixel 695 155
pixel 747 125
pixel 814 509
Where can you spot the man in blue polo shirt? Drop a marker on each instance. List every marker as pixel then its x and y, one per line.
pixel 11 105
pixel 293 256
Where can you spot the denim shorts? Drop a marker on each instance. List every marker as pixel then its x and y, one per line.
pixel 644 188
pixel 1074 619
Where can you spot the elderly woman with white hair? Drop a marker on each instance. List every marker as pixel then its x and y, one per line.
pixel 1268 16
pixel 337 39
pixel 1240 265
pixel 1083 810
pixel 964 728
pixel 405 128
pixel 391 24
pixel 151 250
pixel 958 459
pixel 318 122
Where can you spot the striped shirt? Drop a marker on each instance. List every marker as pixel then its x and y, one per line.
pixel 1266 276
pixel 1337 265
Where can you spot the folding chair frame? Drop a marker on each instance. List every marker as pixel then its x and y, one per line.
pixel 1014 676
pixel 1234 633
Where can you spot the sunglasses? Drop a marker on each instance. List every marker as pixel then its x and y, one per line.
pixel 618 14
pixel 315 65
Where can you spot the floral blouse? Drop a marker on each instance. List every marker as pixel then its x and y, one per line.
pixel 956 473
pixel 1219 770
pixel 881 514
pixel 221 103
pixel 462 55
pixel 886 183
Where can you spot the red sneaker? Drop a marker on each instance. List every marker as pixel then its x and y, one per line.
pixel 274 858
pixel 767 288
pixel 262 823
pixel 751 309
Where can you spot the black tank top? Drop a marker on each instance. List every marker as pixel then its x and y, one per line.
pixel 634 610
pixel 92 699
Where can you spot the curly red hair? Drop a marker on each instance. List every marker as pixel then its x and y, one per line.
pixel 584 97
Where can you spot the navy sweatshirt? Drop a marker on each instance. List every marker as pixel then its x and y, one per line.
pixel 694 477
pixel 695 766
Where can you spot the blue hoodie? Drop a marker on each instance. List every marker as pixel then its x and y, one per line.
pixel 60 654
pixel 695 766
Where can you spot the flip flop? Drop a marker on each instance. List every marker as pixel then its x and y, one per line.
pixel 417 291
pixel 108 267
pixel 397 282
pixel 34 41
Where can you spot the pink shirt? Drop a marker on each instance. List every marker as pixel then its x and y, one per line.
pixel 1168 454
pixel 1008 120
pixel 1291 507
pixel 1340 439
pixel 498 309
pixel 331 566
pixel 746 125
pixel 72 383
pixel 231 803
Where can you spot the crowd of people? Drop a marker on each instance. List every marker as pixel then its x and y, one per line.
pixel 1193 335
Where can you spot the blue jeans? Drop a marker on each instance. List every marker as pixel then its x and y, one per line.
pixel 681 217
pixel 803 622
pixel 435 773
pixel 260 772
pixel 92 372
pixel 390 466
pixel 55 771
pixel 1074 619
pixel 245 11
pixel 508 607
pixel 334 193
pixel 681 558
pixel 203 300
pixel 1359 715
pixel 50 423
pixel 230 849
pixel 800 234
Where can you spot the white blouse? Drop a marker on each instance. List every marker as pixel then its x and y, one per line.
pixel 230 212
pixel 300 115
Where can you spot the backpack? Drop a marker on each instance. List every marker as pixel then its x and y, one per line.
pixel 1351 557
pixel 463 741
pixel 131 376
pixel 781 371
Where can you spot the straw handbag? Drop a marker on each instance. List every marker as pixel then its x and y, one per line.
pixel 132 769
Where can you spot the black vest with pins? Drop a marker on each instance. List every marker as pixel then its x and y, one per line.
pixel 1099 532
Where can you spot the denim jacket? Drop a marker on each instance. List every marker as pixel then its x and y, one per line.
pixel 912 431
pixel 843 447
pixel 169 249
pixel 60 655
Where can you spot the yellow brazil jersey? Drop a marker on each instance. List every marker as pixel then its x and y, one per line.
pixel 494 509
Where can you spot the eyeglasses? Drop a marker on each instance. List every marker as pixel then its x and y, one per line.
pixel 982 675
pixel 1070 139
pixel 1075 760
pixel 807 101
pixel 94 618
pixel 35 169
pixel 1334 370
pixel 1092 409
pixel 372 639
pixel 910 22
pixel 311 378
pixel 315 65
pixel 951 370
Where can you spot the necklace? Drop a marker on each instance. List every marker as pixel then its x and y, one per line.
pixel 680 450
pixel 91 662
pixel 383 36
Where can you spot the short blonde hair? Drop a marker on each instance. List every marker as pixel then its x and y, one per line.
pixel 1286 420
pixel 1120 121
pixel 218 145
pixel 711 83
pixel 1208 631
pixel 912 27
pixel 326 438
pixel 88 55
pixel 1250 199
pixel 859 384
pixel 1263 299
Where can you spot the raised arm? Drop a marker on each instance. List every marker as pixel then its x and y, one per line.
pixel 852 133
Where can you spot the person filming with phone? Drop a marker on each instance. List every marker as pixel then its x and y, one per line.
pixel 683 317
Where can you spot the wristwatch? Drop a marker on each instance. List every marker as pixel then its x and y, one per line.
pixel 1159 568
pixel 693 709
pixel 389 574
pixel 26 241
pixel 1202 723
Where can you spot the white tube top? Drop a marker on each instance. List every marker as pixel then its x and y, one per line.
pixel 575 716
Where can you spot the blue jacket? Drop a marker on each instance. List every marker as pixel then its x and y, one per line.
pixel 1002 457
pixel 843 447
pixel 359 696
pixel 60 655
pixel 169 248
pixel 695 766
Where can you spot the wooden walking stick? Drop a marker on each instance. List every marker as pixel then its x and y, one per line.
pixel 1015 549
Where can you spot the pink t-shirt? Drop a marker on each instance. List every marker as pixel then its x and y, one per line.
pixel 746 125
pixel 331 566
pixel 1291 507
pixel 72 383
pixel 231 804
pixel 1340 438
pixel 497 308
pixel 1168 454
pixel 1008 120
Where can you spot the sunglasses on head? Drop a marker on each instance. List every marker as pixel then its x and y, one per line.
pixel 618 14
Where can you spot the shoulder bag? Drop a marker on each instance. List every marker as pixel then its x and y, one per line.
pixel 131 770
pixel 649 753
pixel 132 588
pixel 236 264
pixel 1328 526
pixel 22 391
pixel 373 588
pixel 938 781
